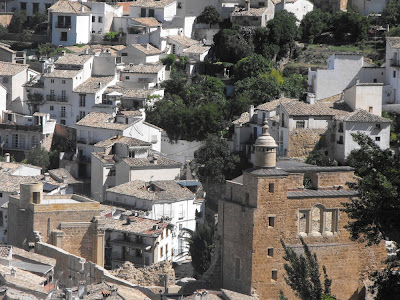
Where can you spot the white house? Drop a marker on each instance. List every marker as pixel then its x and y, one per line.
pixel 98 126
pixel 179 43
pixel 13 76
pixel 366 96
pixel 359 121
pixel 160 199
pixel 257 17
pixel 140 54
pixel 29 7
pixel 138 240
pixel 131 98
pixel 162 10
pixel 144 76
pixel 70 23
pixel 9 55
pixel 298 7
pixel 343 70
pixel 392 68
pixel 102 15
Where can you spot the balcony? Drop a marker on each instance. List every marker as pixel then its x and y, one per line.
pixel 395 63
pixel 131 244
pixel 62 25
pixel 54 98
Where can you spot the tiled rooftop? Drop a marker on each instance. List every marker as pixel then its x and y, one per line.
pixel 129 141
pixel 101 120
pixel 363 116
pixel 197 49
pixel 11 69
pixel 152 3
pixel 61 173
pixel 394 42
pixel 272 105
pixel 93 84
pixel 244 118
pixel 145 68
pixel 252 12
pixel 11 183
pixel 137 225
pixel 149 22
pixel 320 194
pixel 69 74
pixel 183 40
pixel 149 162
pixel 7 48
pixel 73 59
pixel 299 108
pixel 131 93
pixel 165 190
pixel 147 49
pixel 70 7
pixel 5 251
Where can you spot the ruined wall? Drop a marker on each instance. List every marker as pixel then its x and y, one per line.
pixel 78 240
pixel 147 276
pixel 303 140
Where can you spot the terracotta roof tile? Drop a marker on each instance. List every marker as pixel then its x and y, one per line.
pixel 145 68
pixel 147 49
pixel 70 7
pixel 272 105
pixel 73 59
pixel 363 116
pixel 183 40
pixel 101 120
pixel 197 49
pixel 152 3
pixel 149 22
pixel 137 225
pixel 149 162
pixel 252 12
pixel 62 73
pixel 11 69
pixel 122 140
pixel 94 84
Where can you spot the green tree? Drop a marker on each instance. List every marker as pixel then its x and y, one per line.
pixel 394 31
pixel 352 23
pixel 38 18
pixel 3 31
pixel 251 66
pixel 214 162
pixel 17 22
pixel 283 32
pixel 210 16
pixel 231 45
pixel 201 244
pixel 40 157
pixel 112 36
pixel 314 24
pixel 169 60
pixel 295 86
pixel 391 13
pixel 303 275
pixel 319 158
pixel 373 213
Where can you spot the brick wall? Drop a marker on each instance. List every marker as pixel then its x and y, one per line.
pixel 303 140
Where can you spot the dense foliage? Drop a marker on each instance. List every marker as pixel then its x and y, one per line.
pixel 40 157
pixel 214 162
pixel 303 274
pixel 391 13
pixel 210 15
pixel 18 20
pixel 201 243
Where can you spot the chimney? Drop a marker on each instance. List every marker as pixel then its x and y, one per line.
pixel 251 111
pixel 357 80
pixel 7 157
pixel 68 294
pixel 166 278
pixel 64 179
pixel 247 4
pixel 82 8
pixel 99 85
pixel 310 98
pixel 87 51
pixel 155 160
pixel 147 47
pixel 63 53
pixel 46 176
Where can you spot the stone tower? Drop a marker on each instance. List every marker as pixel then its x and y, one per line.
pixel 265 149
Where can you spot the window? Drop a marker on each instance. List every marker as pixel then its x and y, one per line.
pixel 370 109
pixel 62 122
pixel 143 12
pixel 62 111
pixel 340 127
pixel 271 221
pixel 51 80
pixel 274 275
pixel 377 139
pixel 35 141
pixel 36 197
pixel 394 74
pixel 35 7
pixel 64 36
pixel 340 141
pixel 5 79
pixel 283 120
pixel 173 49
pixel 112 172
pixel 23 5
pixel 14 140
pixel 124 54
pixel 63 22
pixel 100 19
pixel 271 187
pixel 82 100
pixel 237 268
pixel 63 81
pixel 318 221
pixel 300 124
pixel 93 19
pixel 63 96
pixel 161 251
pixel 377 126
pixel 1 195
pixel 166 249
pixel 151 13
pixel 375 80
pixel 179 5
pixel 270 252
pixel 82 114
pixel 126 77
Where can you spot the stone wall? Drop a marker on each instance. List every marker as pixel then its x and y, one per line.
pixel 303 140
pixel 147 276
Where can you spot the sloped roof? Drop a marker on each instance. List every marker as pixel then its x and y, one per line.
pixel 122 140
pixel 69 7
pixel 150 162
pixel 272 105
pixel 149 21
pixel 252 12
pixel 183 40
pixel 102 120
pixel 145 68
pixel 11 69
pixel 93 84
pixel 299 108
pixel 394 41
pixel 73 59
pixel 363 116
pixel 163 190
pixel 147 49
pixel 152 3
pixel 197 49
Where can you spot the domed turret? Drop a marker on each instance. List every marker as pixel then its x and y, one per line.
pixel 265 149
